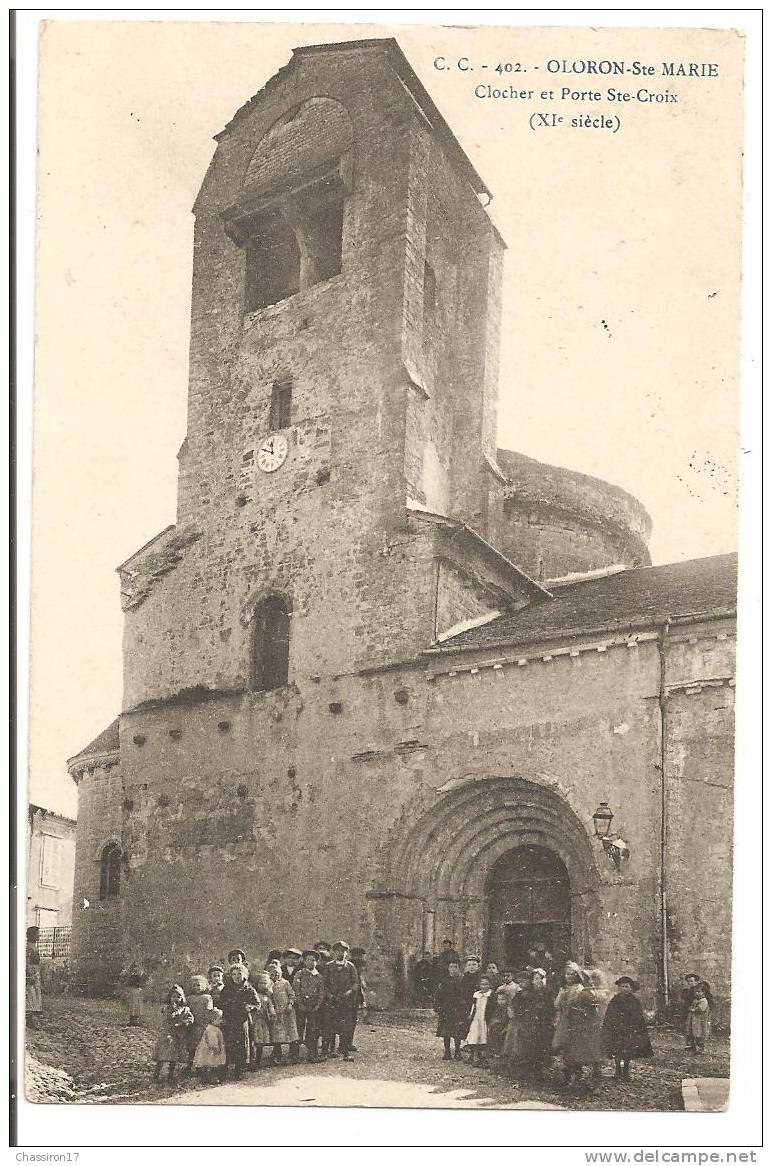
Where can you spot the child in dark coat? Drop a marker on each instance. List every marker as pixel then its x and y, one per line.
pixel 498 1020
pixel 237 1001
pixel 308 986
pixel 216 977
pixel 451 1003
pixel 471 977
pixel 532 1015
pixel 625 1035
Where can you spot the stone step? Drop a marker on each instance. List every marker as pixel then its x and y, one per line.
pixel 705 1094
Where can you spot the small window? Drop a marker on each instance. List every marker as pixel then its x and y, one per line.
pixel 50 861
pixel 270 644
pixel 281 405
pixel 110 871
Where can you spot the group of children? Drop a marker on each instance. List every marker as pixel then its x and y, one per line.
pixel 519 1020
pixel 226 1020
pixel 514 1019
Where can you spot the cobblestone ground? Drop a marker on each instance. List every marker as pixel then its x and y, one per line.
pixel 105 1060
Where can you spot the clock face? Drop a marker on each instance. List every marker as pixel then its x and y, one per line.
pixel 272 453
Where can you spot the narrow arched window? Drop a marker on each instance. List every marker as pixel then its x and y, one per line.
pixel 270 643
pixel 110 871
pixel 281 404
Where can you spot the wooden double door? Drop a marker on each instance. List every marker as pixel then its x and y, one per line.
pixel 529 904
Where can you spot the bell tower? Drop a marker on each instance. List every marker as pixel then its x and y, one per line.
pixel 344 334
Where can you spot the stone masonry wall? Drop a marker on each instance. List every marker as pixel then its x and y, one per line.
pixel 459 598
pixel 97 929
pixel 549 545
pixel 699 763
pixel 264 819
pixel 450 339
pixel 559 521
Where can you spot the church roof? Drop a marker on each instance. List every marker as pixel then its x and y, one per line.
pixel 627 599
pixel 107 741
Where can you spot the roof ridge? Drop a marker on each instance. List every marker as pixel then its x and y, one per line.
pixel 592 577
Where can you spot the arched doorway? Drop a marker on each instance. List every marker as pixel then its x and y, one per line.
pixel 437 864
pixel 528 898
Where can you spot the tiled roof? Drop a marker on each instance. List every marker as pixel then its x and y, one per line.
pixel 107 742
pixel 626 599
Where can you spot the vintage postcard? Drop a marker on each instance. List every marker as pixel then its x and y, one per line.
pixel 384 565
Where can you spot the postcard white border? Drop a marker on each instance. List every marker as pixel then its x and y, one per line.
pixel 57 1127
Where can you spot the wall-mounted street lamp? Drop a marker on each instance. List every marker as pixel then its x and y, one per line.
pixel 601 820
pixel 615 847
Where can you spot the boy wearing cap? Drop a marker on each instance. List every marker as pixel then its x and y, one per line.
pixel 452 1008
pixel 323 953
pixel 341 983
pixel 291 960
pixel 309 997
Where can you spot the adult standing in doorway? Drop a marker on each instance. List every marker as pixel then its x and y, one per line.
pixel 425 977
pixel 448 955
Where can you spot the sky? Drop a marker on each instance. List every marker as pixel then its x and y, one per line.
pixel 620 328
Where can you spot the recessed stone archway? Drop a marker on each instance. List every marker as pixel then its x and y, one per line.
pixel 439 858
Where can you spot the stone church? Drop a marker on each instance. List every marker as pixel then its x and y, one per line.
pixel 381 678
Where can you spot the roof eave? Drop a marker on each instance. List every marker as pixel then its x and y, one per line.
pixel 77 765
pixel 578 632
pixel 146 546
